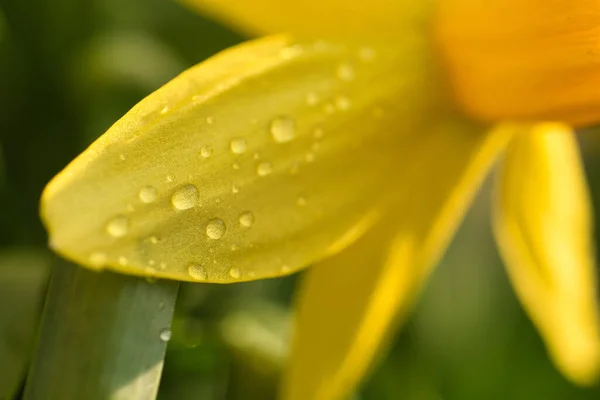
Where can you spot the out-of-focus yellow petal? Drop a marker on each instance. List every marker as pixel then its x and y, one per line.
pixel 253 164
pixel 543 227
pixel 312 17
pixel 527 59
pixel 347 304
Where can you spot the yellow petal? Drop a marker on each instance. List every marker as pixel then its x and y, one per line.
pixel 543 228
pixel 527 59
pixel 253 164
pixel 312 17
pixel 348 304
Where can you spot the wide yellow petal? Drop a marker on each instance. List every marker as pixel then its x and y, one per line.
pixel 348 303
pixel 253 164
pixel 312 17
pixel 543 226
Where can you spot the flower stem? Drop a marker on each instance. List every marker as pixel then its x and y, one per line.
pixel 102 336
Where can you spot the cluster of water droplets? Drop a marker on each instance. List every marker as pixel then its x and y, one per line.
pixel 282 129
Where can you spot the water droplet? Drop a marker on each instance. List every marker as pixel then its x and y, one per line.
pixel 301 201
pixel 342 103
pixel 197 272
pixel 162 265
pixel 285 269
pixel 206 151
pixel 366 54
pixel 235 166
pixel 170 178
pixel 165 335
pixel 283 129
pixel 122 157
pixel 122 260
pixel 256 156
pixel 164 110
pixel 290 52
pixel 309 157
pixel 238 146
pixel 148 194
pixel 246 219
pixel 264 169
pixel 215 229
pixel 98 259
pixel 185 197
pixel 118 226
pixel 235 189
pixel 235 247
pixel 312 99
pixel 235 273
pixel 152 263
pixel 210 120
pixel 318 133
pixel 153 239
pixel 161 306
pixel 345 72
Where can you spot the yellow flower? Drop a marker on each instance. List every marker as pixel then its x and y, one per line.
pixel 361 155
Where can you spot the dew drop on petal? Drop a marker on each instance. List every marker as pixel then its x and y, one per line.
pixel 283 129
pixel 98 259
pixel 342 103
pixel 301 201
pixel 185 197
pixel 264 169
pixel 235 273
pixel 238 146
pixel 206 151
pixel 312 99
pixel 246 219
pixel 153 239
pixel 118 226
pixel 165 335
pixel 197 272
pixel 345 72
pixel 215 229
pixel 148 194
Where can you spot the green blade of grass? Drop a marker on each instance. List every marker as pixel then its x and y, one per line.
pixel 102 336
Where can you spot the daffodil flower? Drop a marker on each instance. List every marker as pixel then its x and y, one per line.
pixel 357 144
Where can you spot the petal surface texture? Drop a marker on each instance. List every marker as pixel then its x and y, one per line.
pixel 348 304
pixel 543 228
pixel 263 159
pixel 382 18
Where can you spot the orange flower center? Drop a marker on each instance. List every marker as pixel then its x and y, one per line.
pixel 523 59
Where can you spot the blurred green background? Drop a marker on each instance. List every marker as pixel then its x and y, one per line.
pixel 68 70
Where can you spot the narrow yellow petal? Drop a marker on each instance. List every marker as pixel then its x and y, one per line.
pixel 312 17
pixel 543 228
pixel 253 164
pixel 349 303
